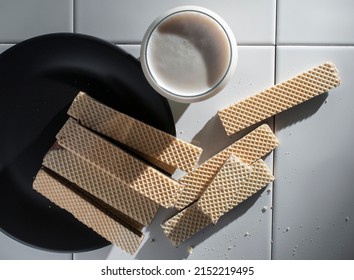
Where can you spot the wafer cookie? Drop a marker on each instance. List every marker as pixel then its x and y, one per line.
pixel 101 184
pixel 163 149
pixel 220 193
pixel 119 164
pixel 185 224
pixel 251 147
pixel 192 219
pixel 259 178
pixel 86 212
pixel 279 98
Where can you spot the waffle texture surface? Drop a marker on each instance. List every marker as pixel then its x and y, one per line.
pixel 101 185
pixel 192 219
pixel 86 212
pixel 222 189
pixel 251 147
pixel 118 163
pixel 161 148
pixel 279 98
pixel 185 224
pixel 259 178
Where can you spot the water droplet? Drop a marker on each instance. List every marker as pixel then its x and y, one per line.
pixel 287 229
pixel 269 191
pixel 229 248
pixel 347 219
pixel 152 240
pixel 190 249
pixel 318 227
pixel 300 226
pixel 264 209
pixel 247 234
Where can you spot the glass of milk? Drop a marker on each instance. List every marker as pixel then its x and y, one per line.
pixel 188 54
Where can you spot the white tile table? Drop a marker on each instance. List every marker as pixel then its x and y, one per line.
pixel 310 208
pixel 314 163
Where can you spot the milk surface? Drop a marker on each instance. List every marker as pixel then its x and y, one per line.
pixel 188 53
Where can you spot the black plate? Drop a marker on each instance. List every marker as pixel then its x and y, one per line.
pixel 39 78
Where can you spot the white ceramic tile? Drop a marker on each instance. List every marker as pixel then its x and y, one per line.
pixel 13 250
pixel 252 21
pixel 314 163
pixel 4 47
pixel 197 122
pixel 134 50
pixel 316 22
pixel 20 20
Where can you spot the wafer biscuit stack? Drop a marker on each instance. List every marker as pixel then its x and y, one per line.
pixel 204 212
pixel 101 184
pixel 86 210
pixel 121 165
pixel 116 183
pixel 158 147
pixel 280 97
pixel 251 147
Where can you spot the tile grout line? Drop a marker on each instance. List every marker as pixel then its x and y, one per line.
pixel 274 81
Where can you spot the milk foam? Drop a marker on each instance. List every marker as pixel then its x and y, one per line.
pixel 188 53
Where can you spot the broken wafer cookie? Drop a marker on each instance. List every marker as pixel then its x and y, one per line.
pixel 101 184
pixel 258 179
pixel 192 219
pixel 122 166
pixel 251 147
pixel 185 224
pixel 158 147
pixel 85 210
pixel 279 98
pixel 215 201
